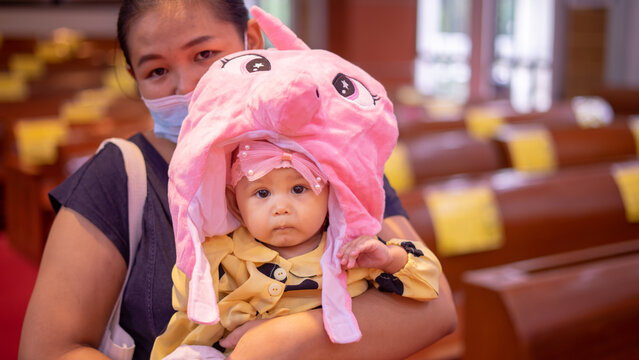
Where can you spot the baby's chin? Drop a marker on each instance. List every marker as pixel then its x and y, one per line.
pixel 285 237
pixel 289 243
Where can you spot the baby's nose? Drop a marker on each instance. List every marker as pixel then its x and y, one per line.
pixel 281 210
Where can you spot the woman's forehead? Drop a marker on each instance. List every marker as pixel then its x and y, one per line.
pixel 174 24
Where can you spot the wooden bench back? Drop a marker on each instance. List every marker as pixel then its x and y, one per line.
pixel 538 215
pixel 577 305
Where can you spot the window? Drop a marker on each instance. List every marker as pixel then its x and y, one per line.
pixel 522 64
pixel 522 58
pixel 443 48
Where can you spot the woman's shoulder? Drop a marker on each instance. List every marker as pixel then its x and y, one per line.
pixel 98 191
pixel 105 169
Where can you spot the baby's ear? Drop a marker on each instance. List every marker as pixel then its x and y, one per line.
pixel 231 203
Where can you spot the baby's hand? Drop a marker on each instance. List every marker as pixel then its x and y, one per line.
pixel 365 251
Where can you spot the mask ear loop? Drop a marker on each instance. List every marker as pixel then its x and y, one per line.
pixel 245 41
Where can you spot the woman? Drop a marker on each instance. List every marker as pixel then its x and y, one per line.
pixel 169 45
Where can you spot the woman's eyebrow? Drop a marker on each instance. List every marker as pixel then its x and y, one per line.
pixel 189 44
pixel 196 41
pixel 148 57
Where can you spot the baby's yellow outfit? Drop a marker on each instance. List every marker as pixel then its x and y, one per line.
pixel 254 282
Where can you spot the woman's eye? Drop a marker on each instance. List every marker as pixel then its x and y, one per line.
pixel 204 55
pixel 353 90
pixel 298 189
pixel 246 64
pixel 262 193
pixel 157 72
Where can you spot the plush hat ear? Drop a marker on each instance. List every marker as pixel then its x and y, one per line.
pixel 280 35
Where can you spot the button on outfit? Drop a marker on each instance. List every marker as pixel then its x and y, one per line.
pixel 275 289
pixel 280 274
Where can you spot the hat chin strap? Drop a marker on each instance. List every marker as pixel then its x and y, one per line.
pixel 339 322
pixel 202 306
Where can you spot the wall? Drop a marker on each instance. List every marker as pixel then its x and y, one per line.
pixel 97 21
pixel 377 35
pixel 620 43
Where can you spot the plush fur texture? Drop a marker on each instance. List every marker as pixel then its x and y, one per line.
pixel 310 101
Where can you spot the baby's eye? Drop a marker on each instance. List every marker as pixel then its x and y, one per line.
pixel 298 189
pixel 203 55
pixel 262 193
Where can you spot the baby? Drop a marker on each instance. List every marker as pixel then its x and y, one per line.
pixel 270 266
pixel 267 123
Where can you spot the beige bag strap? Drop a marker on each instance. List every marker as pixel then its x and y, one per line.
pixel 116 343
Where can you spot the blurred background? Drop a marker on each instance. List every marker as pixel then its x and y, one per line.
pixel 516 161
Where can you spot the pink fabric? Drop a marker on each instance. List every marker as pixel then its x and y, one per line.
pixel 308 101
pixel 257 158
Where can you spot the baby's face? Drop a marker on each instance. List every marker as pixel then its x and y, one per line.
pixel 281 210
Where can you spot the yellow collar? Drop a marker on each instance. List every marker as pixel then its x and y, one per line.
pixel 248 249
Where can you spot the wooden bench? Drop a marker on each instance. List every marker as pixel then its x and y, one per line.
pixel 60 83
pixel 537 215
pixel 92 53
pixel 576 305
pixel 27 210
pixel 27 218
pixel 572 146
pixel 15 45
pixel 622 100
pixel 46 96
pixel 415 121
pixel 433 157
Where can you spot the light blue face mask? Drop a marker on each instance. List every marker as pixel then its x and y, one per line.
pixel 168 114
pixel 170 111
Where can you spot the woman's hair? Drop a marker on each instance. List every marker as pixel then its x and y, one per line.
pixel 232 11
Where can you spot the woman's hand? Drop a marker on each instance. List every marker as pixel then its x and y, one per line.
pixel 231 340
pixel 392 327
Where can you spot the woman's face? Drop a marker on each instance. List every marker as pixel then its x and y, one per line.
pixel 172 46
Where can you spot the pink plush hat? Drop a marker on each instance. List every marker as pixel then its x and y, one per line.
pixel 309 101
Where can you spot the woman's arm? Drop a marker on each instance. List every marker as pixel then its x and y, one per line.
pixel 79 280
pixel 392 327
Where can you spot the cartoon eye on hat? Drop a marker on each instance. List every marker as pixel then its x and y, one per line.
pixel 353 90
pixel 247 63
